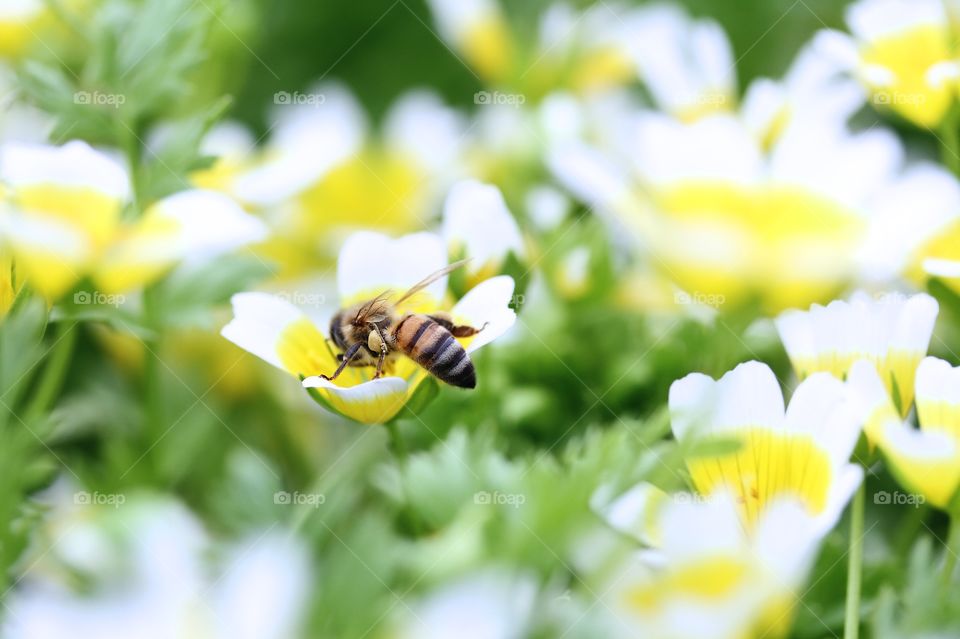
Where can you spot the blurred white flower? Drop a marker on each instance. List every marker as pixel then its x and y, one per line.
pixel 493 604
pixel 148 565
pixel 62 221
pixel 892 332
pixel 901 52
pixel 722 585
pixel 721 215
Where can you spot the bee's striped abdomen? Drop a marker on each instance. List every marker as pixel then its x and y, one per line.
pixel 433 347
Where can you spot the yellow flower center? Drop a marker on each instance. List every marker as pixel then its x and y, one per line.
pixel 768 465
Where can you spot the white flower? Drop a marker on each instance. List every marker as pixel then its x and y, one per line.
pixel 720 214
pixel 148 562
pixel 893 332
pixel 492 604
pixel 369 264
pixel 726 584
pixel 926 461
pixel 62 221
pixel 901 52
pixel 801 453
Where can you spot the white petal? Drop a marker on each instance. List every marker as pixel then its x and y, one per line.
pixel 844 484
pixel 942 73
pixel 74 165
pixel 914 323
pixel 308 140
pixel 872 19
pixel 937 381
pixel 942 268
pixel 487 303
pixel 476 217
pixel 373 402
pixel 931 194
pixel 258 321
pixel 371 263
pixel 820 407
pixel 838 46
pixel 420 126
pixel 210 224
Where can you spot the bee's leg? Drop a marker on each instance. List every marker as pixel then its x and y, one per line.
pixel 444 320
pixel 383 350
pixel 344 362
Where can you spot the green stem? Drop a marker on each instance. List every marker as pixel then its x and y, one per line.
pixel 851 627
pixel 953 547
pixel 54 373
pixel 950 141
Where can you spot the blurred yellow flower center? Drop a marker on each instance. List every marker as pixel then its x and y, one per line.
pixel 767 466
pixel 790 246
pixel 712 578
pixel 92 212
pixel 908 55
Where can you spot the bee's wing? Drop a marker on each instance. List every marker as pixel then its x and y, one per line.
pixel 430 279
pixel 374 310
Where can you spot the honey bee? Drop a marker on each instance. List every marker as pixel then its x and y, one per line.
pixel 374 333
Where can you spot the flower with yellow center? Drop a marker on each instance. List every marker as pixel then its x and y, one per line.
pixel 726 218
pixel 802 453
pixel 901 50
pixel 925 460
pixel 324 174
pixel 925 243
pixel 369 264
pixel 893 332
pixel 62 222
pixel 705 576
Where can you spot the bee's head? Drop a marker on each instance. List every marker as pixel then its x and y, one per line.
pixel 336 331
